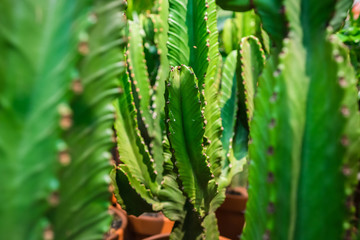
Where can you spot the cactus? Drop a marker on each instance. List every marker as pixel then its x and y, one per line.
pixel 303 141
pixel 38 44
pixel 241 69
pixel 52 188
pixel 83 196
pixel 186 175
pixel 241 25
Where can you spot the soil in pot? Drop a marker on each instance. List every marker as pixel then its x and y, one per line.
pixel 149 224
pixel 230 215
pixel 167 236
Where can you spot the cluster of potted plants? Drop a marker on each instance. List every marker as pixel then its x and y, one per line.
pixel 156 226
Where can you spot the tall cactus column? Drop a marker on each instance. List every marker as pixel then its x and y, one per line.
pixel 37 45
pixel 83 197
pixel 304 137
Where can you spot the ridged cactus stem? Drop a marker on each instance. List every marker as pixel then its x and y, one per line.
pixel 38 44
pixel 301 147
pixel 82 208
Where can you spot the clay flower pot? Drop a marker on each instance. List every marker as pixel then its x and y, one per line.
pixel 149 224
pixel 119 224
pixel 356 9
pixel 167 236
pixel 230 214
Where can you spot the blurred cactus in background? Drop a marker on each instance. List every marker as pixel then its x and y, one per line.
pixel 40 42
pixel 84 177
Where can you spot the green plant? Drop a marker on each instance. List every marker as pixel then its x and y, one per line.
pixel 350 35
pixel 305 132
pixel 171 148
pixel 240 26
pixel 83 196
pixel 240 71
pixel 40 45
pixel 34 73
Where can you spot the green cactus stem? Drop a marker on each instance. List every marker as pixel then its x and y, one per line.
pixel 302 148
pixel 82 211
pixel 38 45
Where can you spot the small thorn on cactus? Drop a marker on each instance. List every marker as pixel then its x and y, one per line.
pixel 342 82
pixel 345 111
pixel 349 202
pixel 271 208
pixel 273 97
pixel 83 48
pixel 66 122
pixel 64 158
pixel 53 199
pixel 270 151
pixel 77 86
pixel 111 188
pixel 48 233
pixel 266 235
pixel 345 141
pixel 270 177
pixel 339 58
pixel 282 10
pixel 277 73
pixel 346 170
pixel 272 123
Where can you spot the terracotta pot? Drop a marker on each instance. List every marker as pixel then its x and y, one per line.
pixel 113 200
pixel 146 226
pixel 166 237
pixel 356 9
pixel 118 234
pixel 230 214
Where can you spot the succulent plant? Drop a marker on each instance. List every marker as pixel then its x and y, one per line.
pixel 38 43
pixel 242 24
pixel 240 71
pixel 83 196
pixel 51 188
pixel 304 136
pixel 171 147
